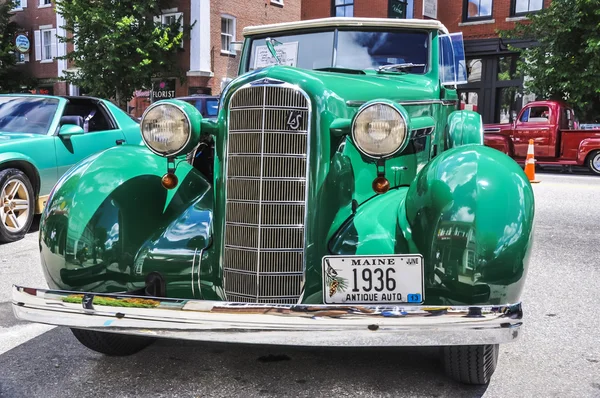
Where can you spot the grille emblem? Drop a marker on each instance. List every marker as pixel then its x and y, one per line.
pixel 294 120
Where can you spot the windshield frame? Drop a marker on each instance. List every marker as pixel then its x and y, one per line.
pixel 248 46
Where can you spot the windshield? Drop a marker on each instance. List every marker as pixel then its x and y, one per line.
pixel 30 115
pixel 345 49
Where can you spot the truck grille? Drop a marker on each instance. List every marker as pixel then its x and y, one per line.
pixel 266 169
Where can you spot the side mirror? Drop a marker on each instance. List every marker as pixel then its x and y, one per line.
pixel 68 130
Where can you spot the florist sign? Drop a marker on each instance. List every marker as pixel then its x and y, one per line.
pixel 163 89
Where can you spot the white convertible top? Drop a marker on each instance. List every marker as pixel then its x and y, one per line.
pixel 346 22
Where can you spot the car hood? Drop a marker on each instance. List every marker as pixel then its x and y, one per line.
pixel 9 138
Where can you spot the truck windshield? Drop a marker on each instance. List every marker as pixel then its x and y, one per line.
pixel 30 115
pixel 344 49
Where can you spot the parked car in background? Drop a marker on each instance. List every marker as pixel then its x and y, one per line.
pixel 207 105
pixel 558 140
pixel 41 137
pixel 349 203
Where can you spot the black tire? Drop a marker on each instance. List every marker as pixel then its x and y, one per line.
pixel 112 344
pixel 473 364
pixel 593 162
pixel 7 176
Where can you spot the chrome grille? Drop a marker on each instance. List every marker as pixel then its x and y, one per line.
pixel 266 184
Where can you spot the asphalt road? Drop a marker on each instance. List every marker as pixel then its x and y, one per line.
pixel 558 354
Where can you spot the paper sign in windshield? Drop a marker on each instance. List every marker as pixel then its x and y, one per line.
pixel 286 52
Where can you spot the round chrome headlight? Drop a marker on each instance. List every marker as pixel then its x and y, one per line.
pixel 379 130
pixel 166 129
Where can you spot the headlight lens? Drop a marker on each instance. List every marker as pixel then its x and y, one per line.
pixel 379 130
pixel 165 129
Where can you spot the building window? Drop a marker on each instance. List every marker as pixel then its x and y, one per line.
pixel 45 45
pixel 20 4
pixel 277 2
pixel 227 32
pixel 522 7
pixel 343 8
pixel 171 18
pixel 477 10
pixel 45 3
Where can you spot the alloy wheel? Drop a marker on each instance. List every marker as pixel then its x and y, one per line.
pixel 14 199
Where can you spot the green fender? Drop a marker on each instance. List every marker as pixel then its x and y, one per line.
pixel 109 219
pixel 464 127
pixel 469 213
pixel 25 163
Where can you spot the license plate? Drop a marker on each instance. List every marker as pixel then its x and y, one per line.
pixel 373 279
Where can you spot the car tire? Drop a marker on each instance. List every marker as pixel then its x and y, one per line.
pixel 593 162
pixel 17 200
pixel 473 364
pixel 112 344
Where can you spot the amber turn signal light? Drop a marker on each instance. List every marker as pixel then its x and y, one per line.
pixel 381 185
pixel 169 181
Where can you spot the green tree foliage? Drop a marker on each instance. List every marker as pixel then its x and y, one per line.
pixel 566 64
pixel 119 45
pixel 12 78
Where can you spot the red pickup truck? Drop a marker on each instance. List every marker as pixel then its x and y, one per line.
pixel 555 133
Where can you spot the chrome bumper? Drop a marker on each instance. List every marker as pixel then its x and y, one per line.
pixel 302 325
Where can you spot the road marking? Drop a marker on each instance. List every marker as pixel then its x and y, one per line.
pixel 14 336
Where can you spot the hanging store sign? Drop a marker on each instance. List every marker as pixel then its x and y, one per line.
pixel 397 8
pixel 163 89
pixel 22 43
pixel 430 8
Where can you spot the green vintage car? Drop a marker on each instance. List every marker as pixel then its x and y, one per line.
pixel 41 137
pixel 339 199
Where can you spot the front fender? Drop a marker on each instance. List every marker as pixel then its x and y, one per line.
pixel 499 142
pixel 463 128
pixel 471 213
pixel 109 207
pixel 585 147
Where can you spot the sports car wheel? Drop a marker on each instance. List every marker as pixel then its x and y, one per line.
pixel 112 344
pixel 473 364
pixel 593 162
pixel 16 201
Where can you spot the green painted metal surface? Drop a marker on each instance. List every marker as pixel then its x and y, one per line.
pixel 467 209
pixel 49 156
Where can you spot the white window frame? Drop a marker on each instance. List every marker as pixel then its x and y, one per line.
pixel 231 34
pixel 20 4
pixel 277 2
pixel 41 4
pixel 41 45
pixel 171 13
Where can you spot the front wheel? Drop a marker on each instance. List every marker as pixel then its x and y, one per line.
pixel 16 201
pixel 474 364
pixel 593 162
pixel 112 344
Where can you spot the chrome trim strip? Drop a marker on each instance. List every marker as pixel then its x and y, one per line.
pixel 353 103
pixel 199 263
pixel 492 130
pixel 276 324
pixel 192 273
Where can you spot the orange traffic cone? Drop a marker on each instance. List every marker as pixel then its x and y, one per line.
pixel 530 164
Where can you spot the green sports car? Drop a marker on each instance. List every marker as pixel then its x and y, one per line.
pixel 41 137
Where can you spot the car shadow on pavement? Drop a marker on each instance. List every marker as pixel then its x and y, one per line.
pixel 56 365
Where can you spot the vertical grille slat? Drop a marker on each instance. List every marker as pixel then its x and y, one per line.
pixel 266 171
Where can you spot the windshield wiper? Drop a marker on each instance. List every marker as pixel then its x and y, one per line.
pixel 341 70
pixel 398 67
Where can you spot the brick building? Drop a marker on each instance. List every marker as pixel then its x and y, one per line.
pixel 493 88
pixel 204 57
